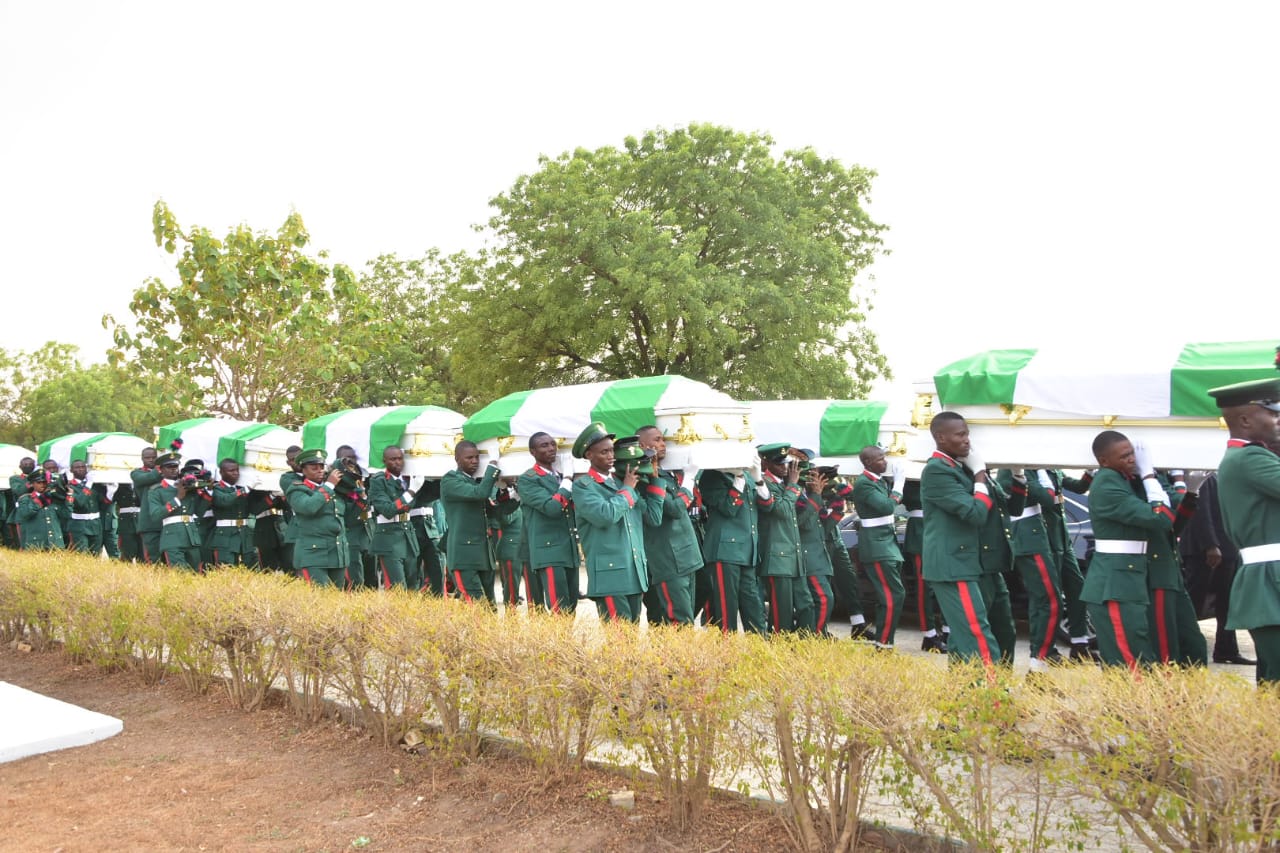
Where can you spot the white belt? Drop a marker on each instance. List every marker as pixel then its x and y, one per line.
pixel 129 510
pixel 1120 546
pixel 1260 553
pixel 177 519
pixel 268 512
pixel 420 512
pixel 1030 512
pixel 233 522
pixel 85 516
pixel 882 521
pixel 382 519
pixel 915 513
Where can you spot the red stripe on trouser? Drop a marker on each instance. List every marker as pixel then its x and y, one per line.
pixel 511 585
pixel 920 608
pixel 613 611
pixel 822 605
pixel 888 605
pixel 524 572
pixel 971 616
pixel 1052 593
pixel 386 575
pixel 306 576
pixel 457 576
pixel 773 609
pixel 724 606
pixel 346 573
pixel 551 589
pixel 215 556
pixel 1162 626
pixel 671 605
pixel 1122 642
pixel 71 542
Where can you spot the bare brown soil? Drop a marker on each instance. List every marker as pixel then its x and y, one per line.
pixel 193 773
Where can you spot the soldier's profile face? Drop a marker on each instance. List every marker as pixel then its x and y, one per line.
pixel 27 465
pixel 652 439
pixel 952 438
pixel 1120 457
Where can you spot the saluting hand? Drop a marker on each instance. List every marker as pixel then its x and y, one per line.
pixel 334 476
pixel 631 477
pixel 793 471
pixel 816 482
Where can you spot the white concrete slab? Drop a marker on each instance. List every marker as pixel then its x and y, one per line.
pixel 31 723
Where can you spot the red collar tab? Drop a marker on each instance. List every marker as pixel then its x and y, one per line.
pixel 1238 442
pixel 875 478
pixel 597 476
pixel 539 470
pixel 938 454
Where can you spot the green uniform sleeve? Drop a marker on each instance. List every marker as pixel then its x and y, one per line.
pixel 949 494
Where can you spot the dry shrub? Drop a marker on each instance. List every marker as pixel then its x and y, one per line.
pixel 33 599
pixel 192 621
pixel 306 630
pixel 1186 759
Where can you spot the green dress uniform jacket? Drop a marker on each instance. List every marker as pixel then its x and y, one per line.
pixel 38 525
pixel 611 523
pixel 85 526
pixel 320 538
pixel 670 543
pixel 913 539
pixel 733 520
pixel 1119 515
pixel 954 519
pixel 549 520
pixel 997 557
pixel 182 534
pixel 356 519
pixel 813 537
pixel 288 480
pixel 231 540
pixel 510 532
pixel 466 508
pixel 1249 496
pixel 779 534
pixel 144 479
pixel 878 534
pixel 393 534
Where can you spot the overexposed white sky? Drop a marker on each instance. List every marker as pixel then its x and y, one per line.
pixel 1078 171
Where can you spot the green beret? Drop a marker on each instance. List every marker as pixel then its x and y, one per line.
pixel 311 456
pixel 1259 392
pixel 774 452
pixel 588 437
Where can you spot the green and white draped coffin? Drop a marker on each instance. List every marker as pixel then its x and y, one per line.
pixel 699 422
pixel 427 434
pixel 10 456
pixel 259 448
pixel 836 430
pixel 109 455
pixel 1043 407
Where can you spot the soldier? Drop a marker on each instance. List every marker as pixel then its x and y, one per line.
pixel 611 518
pixel 1033 557
pixel 85 526
pixel 1175 632
pixel 997 559
pixel 790 605
pixel 18 486
pixel 670 543
pixel 912 554
pixel 202 478
pixel 1211 560
pixel 127 512
pixel 231 542
pixel 148 528
pixel 1072 579
pixel 58 492
pixel 956 496
pixel 361 569
pixel 36 518
pixel 813 550
pixel 507 532
pixel 319 536
pixel 395 543
pixel 422 515
pixel 269 526
pixel 106 494
pixel 546 499
pixel 1249 496
pixel 174 504
pixel 731 546
pixel 875 502
pixel 836 500
pixel 466 501
pixel 288 480
pixel 1116 589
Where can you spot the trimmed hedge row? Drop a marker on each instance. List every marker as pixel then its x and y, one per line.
pixel 836 732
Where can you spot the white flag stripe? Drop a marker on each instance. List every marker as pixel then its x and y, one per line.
pixel 201 441
pixel 1130 379
pixel 433 420
pixel 563 412
pixel 60 450
pixel 353 429
pixel 794 421
pixel 690 395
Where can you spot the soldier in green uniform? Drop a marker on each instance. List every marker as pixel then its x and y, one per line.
pixel 269 525
pixel 508 550
pixel 875 501
pixel 837 500
pixel 611 518
pixel 731 546
pixel 956 495
pixel 319 535
pixel 1175 632
pixel 106 493
pixel 174 504
pixel 997 558
pixel 670 544
pixel 813 550
pixel 362 569
pixel 127 512
pixel 466 501
pixel 288 480
pixel 1249 497
pixel 36 518
pixel 780 560
pixel 1034 559
pixel 143 480
pixel 231 542
pixel 912 555
pixel 1116 590
pixel 394 541
pixel 201 481
pixel 85 527
pixel 1055 484
pixel 58 491
pixel 422 515
pixel 550 527
pixel 18 486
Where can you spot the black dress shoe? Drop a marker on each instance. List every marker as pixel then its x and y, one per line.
pixel 1081 653
pixel 934 644
pixel 860 631
pixel 1237 660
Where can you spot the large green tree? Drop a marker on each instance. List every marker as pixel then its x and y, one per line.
pixel 98 398
pixel 20 374
pixel 255 327
pixel 694 251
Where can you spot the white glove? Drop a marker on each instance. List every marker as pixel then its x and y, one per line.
pixel 974 462
pixel 111 491
pixel 415 483
pixel 1179 478
pixel 739 484
pixel 1143 457
pixel 1155 492
pixel 1043 476
pixel 1019 474
pixel 754 472
pixel 1195 480
pixel 763 491
pixel 899 477
pixel 567 484
pixel 690 477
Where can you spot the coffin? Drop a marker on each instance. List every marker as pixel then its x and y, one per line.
pixel 1043 407
pixel 427 434
pixel 700 423
pixel 837 430
pixel 259 448
pixel 109 455
pixel 10 456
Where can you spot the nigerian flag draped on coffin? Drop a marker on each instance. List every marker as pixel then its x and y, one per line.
pixel 427 434
pixel 696 419
pixel 258 448
pixel 109 455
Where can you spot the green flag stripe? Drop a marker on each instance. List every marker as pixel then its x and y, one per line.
pixel 1204 366
pixel 231 445
pixel 313 431
pixel 79 450
pixel 494 420
pixel 986 379
pixel 847 426
pixel 628 404
pixel 167 434
pixel 387 430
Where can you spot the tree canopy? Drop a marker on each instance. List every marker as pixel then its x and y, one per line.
pixel 692 251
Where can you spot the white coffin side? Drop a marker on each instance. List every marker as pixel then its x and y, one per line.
pixel 265 461
pixel 114 457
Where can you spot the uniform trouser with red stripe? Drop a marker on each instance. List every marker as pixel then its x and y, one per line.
pixel 151 546
pixel 704 597
pixel 473 585
pixel 966 612
pixel 846 582
pixel 359 565
pixel 224 557
pixel 995 595
pixel 1039 575
pixel 325 577
pixel 926 601
pixel 1266 645
pixel 183 558
pixel 670 602
pixel 1123 632
pixel 1072 580
pixel 1175 634
pixel 559 585
pixel 85 544
pixel 429 560
pixel 820 592
pixel 886 580
pixel 392 568
pixel 511 575
pixel 110 542
pixel 736 592
pixel 614 608
pixel 784 597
